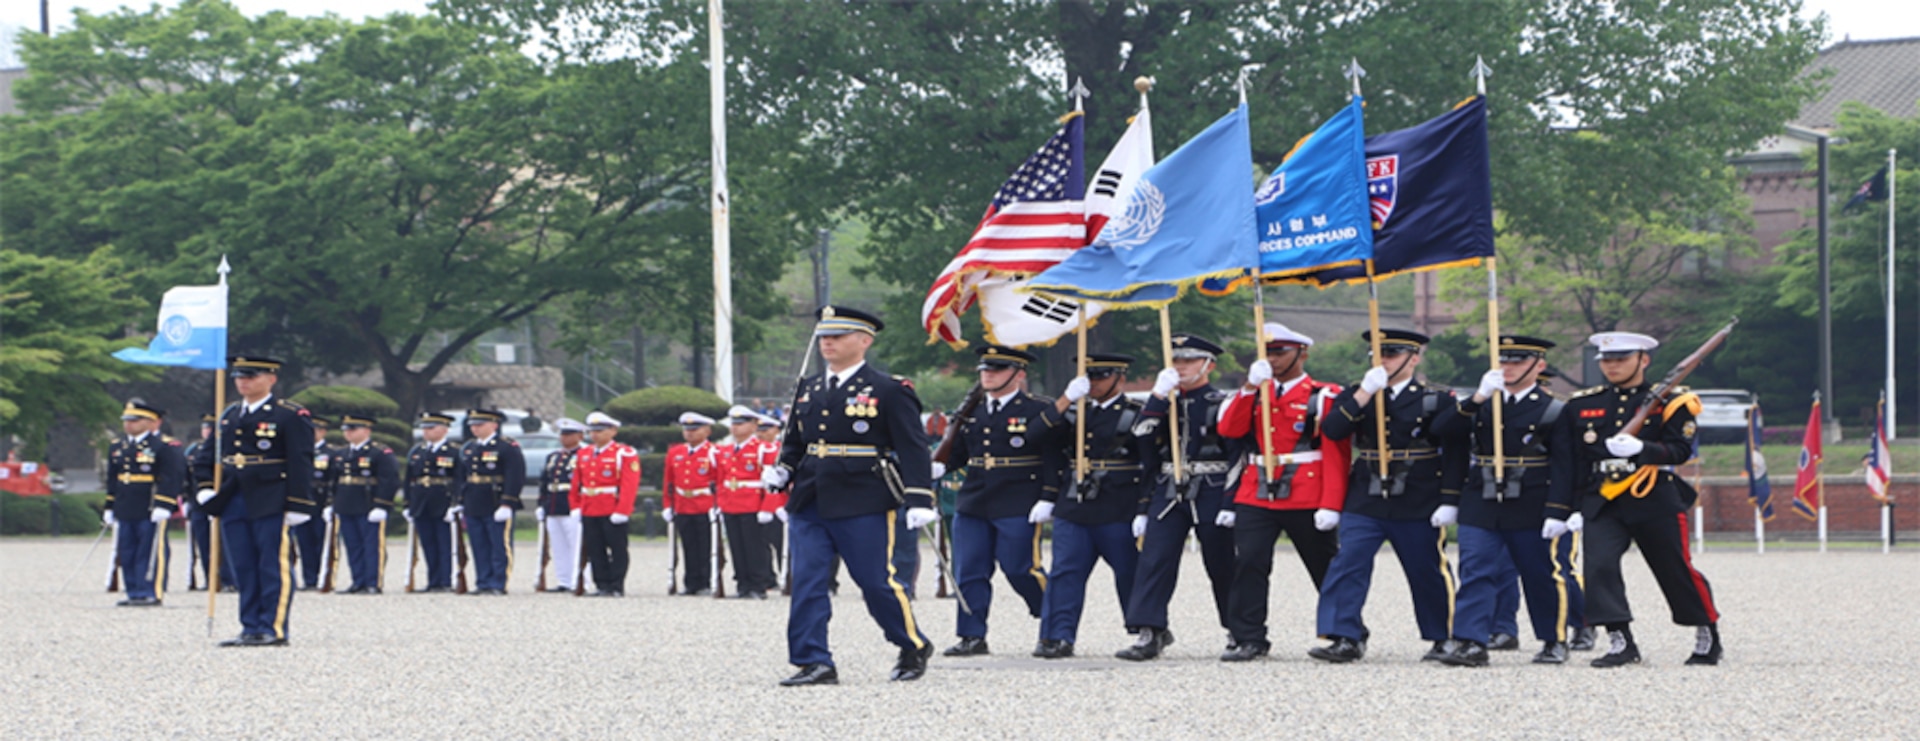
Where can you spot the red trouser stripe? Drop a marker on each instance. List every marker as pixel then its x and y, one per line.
pixel 1699 582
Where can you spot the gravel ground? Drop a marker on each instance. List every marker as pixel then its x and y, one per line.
pixel 1814 650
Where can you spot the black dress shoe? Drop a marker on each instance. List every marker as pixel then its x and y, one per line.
pixel 1554 652
pixel 1582 640
pixel 912 664
pixel 559 589
pixel 1628 654
pixel 307 588
pixel 812 674
pixel 438 590
pixel 1147 646
pixel 1503 642
pixel 698 593
pixel 1340 651
pixel 968 646
pixel 1465 653
pixel 370 590
pixel 1051 649
pixel 1440 649
pixel 239 640
pixel 353 590
pixel 757 594
pixel 1245 651
pixel 138 602
pixel 1706 649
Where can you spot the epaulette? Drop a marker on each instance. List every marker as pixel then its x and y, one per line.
pixel 1586 392
pixel 386 450
pixel 1041 399
pixel 904 381
pixel 170 440
pixel 291 404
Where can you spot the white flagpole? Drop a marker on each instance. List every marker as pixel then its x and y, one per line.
pixel 1759 532
pixel 722 205
pixel 1886 525
pixel 1890 301
pixel 1823 522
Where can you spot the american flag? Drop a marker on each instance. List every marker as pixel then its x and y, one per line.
pixel 1879 458
pixel 1037 219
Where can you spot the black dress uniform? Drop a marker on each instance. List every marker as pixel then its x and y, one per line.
pixel 1424 475
pixel 430 469
pixel 267 475
pixel 857 453
pixel 1637 500
pixel 310 537
pixel 145 474
pixel 1093 516
pixel 490 475
pixel 1179 508
pixel 563 532
pixel 363 496
pixel 1501 516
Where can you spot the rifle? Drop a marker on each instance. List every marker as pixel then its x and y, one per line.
pixel 413 551
pixel 113 562
pixel 580 564
pixel 1642 479
pixel 193 557
pixel 940 549
pixel 673 559
pixel 459 530
pixel 786 558
pixel 944 451
pixel 83 559
pixel 546 556
pixel 719 554
pixel 946 568
pixel 330 555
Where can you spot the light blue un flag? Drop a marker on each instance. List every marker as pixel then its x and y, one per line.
pixel 193 330
pixel 1189 219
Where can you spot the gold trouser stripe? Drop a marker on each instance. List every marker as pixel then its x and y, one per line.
pixel 900 593
pixel 1039 569
pixel 1574 558
pixel 380 571
pixel 160 560
pixel 1559 588
pixel 286 584
pixel 506 542
pixel 1446 574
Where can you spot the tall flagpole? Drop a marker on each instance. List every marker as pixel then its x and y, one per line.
pixel 722 205
pixel 1891 405
pixel 1179 477
pixel 213 522
pixel 1080 466
pixel 1480 72
pixel 1354 73
pixel 1269 462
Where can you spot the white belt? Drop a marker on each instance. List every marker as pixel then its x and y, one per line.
pixel 598 490
pixel 1255 459
pixel 1200 468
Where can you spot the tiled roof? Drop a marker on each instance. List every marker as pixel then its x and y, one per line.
pixel 1884 75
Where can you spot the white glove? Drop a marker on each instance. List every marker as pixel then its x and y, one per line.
pixel 453 512
pixel 1625 446
pixel 1225 518
pixel 1552 528
pixel 1042 512
pixel 203 496
pixel 618 519
pixel 1446 515
pixel 780 512
pixel 540 513
pixel 775 477
pixel 1375 379
pixel 1077 389
pixel 1260 372
pixel 1491 384
pixel 938 470
pixel 763 517
pixel 160 514
pixel 409 516
pixel 503 514
pixel 1139 526
pixel 714 514
pixel 377 515
pixel 1576 523
pixel 296 519
pixel 186 508
pixel 106 518
pixel 917 517
pixel 1325 520
pixel 1166 382
pixel 574 516
pixel 666 514
pixel 326 513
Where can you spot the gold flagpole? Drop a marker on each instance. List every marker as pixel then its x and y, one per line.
pixel 1269 463
pixel 1080 406
pixel 1379 399
pixel 213 522
pixel 1493 360
pixel 1173 401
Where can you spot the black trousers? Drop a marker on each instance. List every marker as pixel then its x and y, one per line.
pixel 752 560
pixel 606 547
pixel 1255 532
pixel 696 551
pixel 1662 538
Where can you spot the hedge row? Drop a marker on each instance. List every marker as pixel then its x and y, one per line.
pixel 77 514
pixel 663 405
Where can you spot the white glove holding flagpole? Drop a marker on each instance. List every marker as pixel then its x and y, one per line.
pixel 1139 526
pixel 1491 384
pixel 1166 382
pixel 1042 512
pixel 1375 379
pixel 1077 389
pixel 203 496
pixel 1576 523
pixel 1260 372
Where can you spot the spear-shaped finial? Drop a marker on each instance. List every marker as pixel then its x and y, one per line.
pixel 1354 73
pixel 1079 92
pixel 224 269
pixel 1480 72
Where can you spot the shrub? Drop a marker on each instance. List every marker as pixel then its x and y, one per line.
pixel 394 428
pixel 655 439
pixel 77 514
pixel 662 405
pixel 333 401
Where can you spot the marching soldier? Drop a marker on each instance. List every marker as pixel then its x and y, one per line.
pixel 1009 466
pixel 199 527
pixel 606 480
pixel 554 509
pixel 310 538
pixel 1503 514
pixel 1179 508
pixel 146 473
pixel 1094 516
pixel 431 465
pixel 686 500
pixel 739 496
pixel 855 453
pixel 490 473
pixel 265 488
pixel 773 532
pixel 1629 496
pixel 1302 498
pixel 1411 508
pixel 363 493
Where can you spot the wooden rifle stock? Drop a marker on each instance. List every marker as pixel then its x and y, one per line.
pixel 944 450
pixel 460 546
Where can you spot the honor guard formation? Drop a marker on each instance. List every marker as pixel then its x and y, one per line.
pixel 1523 480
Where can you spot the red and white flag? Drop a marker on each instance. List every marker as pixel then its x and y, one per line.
pixel 1806 481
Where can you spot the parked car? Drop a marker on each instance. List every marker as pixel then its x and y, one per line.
pixel 1723 416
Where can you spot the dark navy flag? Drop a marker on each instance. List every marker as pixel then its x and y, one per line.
pixel 1874 189
pixel 1759 491
pixel 1430 190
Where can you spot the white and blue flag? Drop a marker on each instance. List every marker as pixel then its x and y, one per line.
pixel 193 330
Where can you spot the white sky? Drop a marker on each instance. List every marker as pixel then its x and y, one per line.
pixel 1856 19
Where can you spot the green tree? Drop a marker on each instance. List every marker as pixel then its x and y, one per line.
pixel 58 318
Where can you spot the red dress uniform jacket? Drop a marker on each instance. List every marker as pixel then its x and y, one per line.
pixel 1317 484
pixel 691 475
pixel 740 465
pixel 605 481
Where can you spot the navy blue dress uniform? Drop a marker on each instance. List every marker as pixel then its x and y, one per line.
pixel 267 478
pixel 1093 516
pixel 363 496
pixel 1636 499
pixel 200 462
pixel 1424 475
pixel 855 452
pixel 429 481
pixel 146 475
pixel 1501 516
pixel 1177 509
pixel 489 477
pixel 1008 467
pixel 310 538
